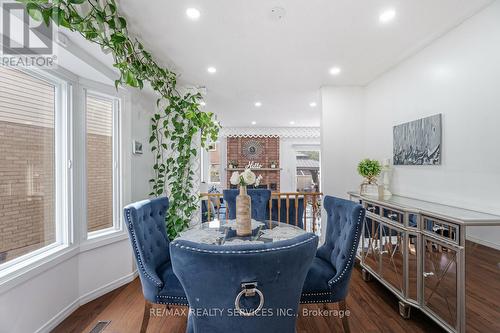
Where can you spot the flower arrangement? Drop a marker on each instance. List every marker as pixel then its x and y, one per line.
pixel 232 164
pixel 273 164
pixel 245 178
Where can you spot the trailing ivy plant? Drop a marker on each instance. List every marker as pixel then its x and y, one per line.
pixel 179 121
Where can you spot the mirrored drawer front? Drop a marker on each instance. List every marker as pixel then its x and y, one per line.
pixel 372 245
pixel 392 257
pixel 393 215
pixel 440 281
pixel 441 229
pixel 374 209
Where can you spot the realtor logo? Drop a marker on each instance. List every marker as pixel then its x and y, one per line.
pixel 25 42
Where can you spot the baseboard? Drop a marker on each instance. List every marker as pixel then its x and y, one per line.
pixel 84 299
pixel 484 242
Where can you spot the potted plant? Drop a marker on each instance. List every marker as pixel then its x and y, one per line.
pixel 232 164
pixel 369 170
pixel 273 164
pixel 243 201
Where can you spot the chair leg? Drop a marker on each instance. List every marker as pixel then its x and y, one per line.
pixel 345 319
pixel 145 317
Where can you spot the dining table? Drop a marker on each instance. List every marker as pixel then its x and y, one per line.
pixel 223 232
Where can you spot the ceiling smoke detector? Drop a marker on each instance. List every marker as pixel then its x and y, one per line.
pixel 278 13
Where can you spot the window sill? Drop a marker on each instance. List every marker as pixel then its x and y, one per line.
pixel 102 238
pixel 34 266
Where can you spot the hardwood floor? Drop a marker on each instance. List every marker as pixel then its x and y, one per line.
pixel 372 308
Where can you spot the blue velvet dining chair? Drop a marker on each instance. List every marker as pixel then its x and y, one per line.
pixel 218 279
pixel 260 199
pixel 145 222
pixel 330 273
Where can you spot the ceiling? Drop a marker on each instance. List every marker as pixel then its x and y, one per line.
pixel 283 63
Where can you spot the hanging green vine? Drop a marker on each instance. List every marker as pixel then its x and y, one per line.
pixel 174 128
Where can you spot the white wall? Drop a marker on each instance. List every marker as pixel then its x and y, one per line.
pixel 459 76
pixel 44 300
pixel 142 109
pixel 342 139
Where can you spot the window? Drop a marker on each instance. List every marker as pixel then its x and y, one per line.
pixel 40 123
pixel 32 136
pixel 308 171
pixel 214 163
pixel 101 161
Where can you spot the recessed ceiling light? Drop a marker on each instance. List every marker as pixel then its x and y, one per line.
pixel 202 103
pixel 211 70
pixel 193 13
pixel 313 104
pixel 387 16
pixel 258 104
pixel 292 122
pixel 254 122
pixel 335 70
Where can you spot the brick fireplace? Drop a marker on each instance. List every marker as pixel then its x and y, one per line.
pixel 258 150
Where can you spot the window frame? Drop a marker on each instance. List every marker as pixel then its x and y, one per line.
pixel 72 228
pixel 63 138
pixel 99 90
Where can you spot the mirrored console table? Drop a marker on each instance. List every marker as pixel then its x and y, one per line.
pixel 417 249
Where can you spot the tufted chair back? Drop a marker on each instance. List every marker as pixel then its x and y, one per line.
pixel 146 226
pixel 260 199
pixel 344 221
pixel 212 276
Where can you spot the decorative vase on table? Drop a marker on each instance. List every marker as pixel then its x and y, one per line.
pixel 243 201
pixel 243 213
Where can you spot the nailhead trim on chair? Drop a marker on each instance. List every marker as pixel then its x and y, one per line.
pixel 353 250
pixel 311 302
pixel 248 251
pixel 175 297
pixel 317 294
pixel 169 303
pixel 134 242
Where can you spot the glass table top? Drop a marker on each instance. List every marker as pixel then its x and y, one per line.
pixel 224 233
